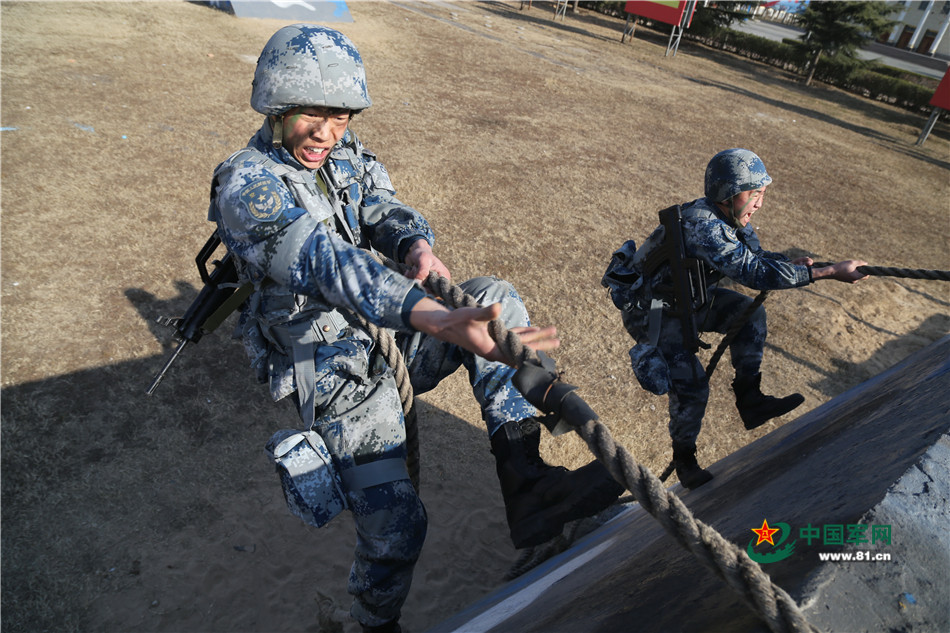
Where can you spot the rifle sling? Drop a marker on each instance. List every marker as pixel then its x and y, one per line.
pixel 655 320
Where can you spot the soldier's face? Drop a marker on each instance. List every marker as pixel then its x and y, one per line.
pixel 747 203
pixel 310 133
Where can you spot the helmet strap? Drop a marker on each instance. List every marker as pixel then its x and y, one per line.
pixel 728 208
pixel 277 129
pixel 737 212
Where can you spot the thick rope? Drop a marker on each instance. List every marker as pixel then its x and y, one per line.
pixel 730 563
pixel 881 271
pixel 889 271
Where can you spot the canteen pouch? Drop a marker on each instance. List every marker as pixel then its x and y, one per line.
pixel 312 486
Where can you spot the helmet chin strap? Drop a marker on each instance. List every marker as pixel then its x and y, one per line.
pixel 277 130
pixel 737 212
pixel 731 214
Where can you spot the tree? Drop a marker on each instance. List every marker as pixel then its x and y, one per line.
pixel 840 28
pixel 711 19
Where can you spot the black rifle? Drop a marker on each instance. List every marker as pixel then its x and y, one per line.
pixel 220 297
pixel 687 276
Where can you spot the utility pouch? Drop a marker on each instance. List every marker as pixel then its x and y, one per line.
pixel 312 486
pixel 650 368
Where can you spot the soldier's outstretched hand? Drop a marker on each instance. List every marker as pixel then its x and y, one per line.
pixel 468 328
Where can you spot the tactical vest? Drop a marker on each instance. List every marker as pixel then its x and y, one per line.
pixel 293 324
pixel 313 487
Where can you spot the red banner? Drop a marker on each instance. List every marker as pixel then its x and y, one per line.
pixel 669 12
pixel 941 98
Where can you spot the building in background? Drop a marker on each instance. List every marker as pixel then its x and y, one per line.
pixel 922 27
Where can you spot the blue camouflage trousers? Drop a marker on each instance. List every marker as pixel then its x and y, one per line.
pixel 689 385
pixel 359 415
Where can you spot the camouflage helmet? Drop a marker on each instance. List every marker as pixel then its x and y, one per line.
pixel 733 171
pixel 309 65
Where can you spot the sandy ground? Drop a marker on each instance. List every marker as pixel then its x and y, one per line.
pixel 534 147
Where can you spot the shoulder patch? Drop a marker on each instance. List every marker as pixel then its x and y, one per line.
pixel 262 200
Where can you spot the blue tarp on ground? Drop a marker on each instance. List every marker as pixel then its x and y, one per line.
pixel 297 10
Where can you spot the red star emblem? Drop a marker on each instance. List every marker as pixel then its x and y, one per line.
pixel 765 533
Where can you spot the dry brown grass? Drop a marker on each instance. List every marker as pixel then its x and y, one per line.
pixel 534 147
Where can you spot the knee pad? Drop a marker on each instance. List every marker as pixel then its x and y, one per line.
pixel 489 290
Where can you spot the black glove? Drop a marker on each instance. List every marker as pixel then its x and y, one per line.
pixel 540 385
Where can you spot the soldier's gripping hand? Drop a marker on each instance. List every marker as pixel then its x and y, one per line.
pixel 420 259
pixel 846 271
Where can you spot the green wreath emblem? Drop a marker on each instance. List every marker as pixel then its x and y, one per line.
pixel 777 553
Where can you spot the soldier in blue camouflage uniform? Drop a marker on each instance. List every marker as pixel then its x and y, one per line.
pixel 297 208
pixel 716 231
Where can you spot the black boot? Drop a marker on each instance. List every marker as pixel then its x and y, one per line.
pixel 755 408
pixel 687 468
pixel 539 498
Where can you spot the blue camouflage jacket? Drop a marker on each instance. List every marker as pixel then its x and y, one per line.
pixel 724 250
pixel 736 253
pixel 303 250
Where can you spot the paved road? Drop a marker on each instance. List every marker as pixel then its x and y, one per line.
pixel 905 60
